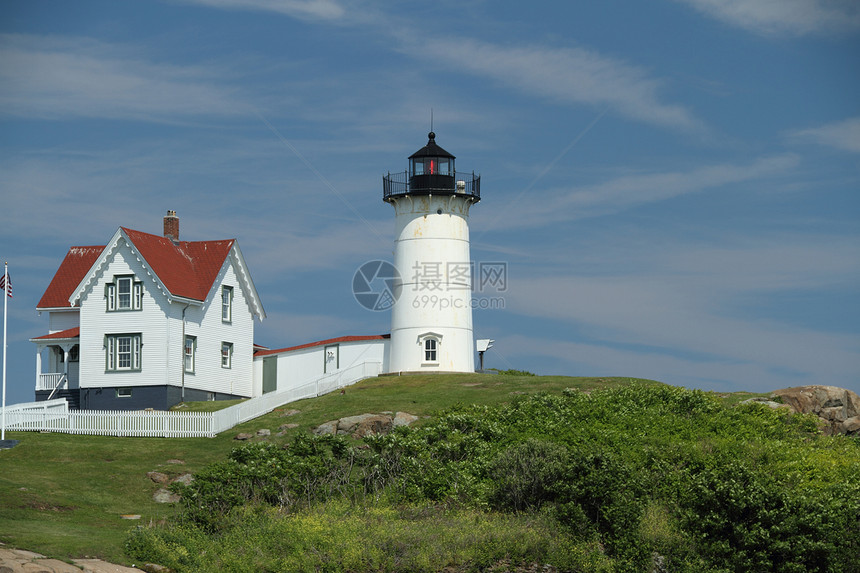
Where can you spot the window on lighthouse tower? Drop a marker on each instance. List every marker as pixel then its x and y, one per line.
pixel 430 350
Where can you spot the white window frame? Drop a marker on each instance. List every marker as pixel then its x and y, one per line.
pixel 124 297
pixel 115 297
pixel 115 348
pixel 430 342
pixel 226 303
pixel 123 353
pixel 431 350
pixel 124 392
pixel 189 359
pixel 227 355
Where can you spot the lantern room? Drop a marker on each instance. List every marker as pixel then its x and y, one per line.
pixel 431 172
pixel 431 160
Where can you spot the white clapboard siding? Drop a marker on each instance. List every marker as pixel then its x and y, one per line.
pixel 54 416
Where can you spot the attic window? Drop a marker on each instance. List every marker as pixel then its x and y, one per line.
pixel 226 304
pixel 124 293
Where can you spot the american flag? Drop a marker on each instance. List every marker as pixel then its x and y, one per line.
pixel 6 284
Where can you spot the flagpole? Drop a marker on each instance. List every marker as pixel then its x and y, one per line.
pixel 5 308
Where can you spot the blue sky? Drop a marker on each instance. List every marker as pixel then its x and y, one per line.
pixel 673 184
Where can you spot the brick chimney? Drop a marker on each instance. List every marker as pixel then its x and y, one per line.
pixel 171 226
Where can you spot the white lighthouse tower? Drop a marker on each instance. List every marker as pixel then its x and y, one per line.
pixel 431 322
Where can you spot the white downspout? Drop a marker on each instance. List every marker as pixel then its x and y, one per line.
pixel 182 361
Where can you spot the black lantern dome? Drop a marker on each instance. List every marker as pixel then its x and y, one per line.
pixel 431 172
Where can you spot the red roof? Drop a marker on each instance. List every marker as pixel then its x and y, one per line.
pixel 188 268
pixel 325 342
pixel 70 274
pixel 70 333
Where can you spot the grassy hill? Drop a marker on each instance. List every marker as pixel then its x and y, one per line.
pixel 607 475
pixel 64 495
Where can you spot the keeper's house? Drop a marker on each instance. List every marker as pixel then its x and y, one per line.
pixel 148 321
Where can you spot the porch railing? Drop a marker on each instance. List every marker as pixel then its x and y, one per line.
pixel 51 381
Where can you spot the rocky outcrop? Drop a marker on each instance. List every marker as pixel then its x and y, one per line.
pixel 404 419
pixel 158 477
pixel 838 408
pixel 18 561
pixel 365 424
pixel 165 496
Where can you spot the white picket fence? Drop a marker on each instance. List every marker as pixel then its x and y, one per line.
pixel 54 415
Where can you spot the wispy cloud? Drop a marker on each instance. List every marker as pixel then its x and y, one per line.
pixel 315 9
pixel 776 17
pixel 566 75
pixel 284 329
pixel 843 135
pixel 629 191
pixel 692 307
pixel 50 77
pixel 144 178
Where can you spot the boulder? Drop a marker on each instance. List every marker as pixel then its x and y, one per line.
pixel 184 479
pixel 264 432
pixel 404 419
pixel 326 428
pixel 835 406
pixel 765 402
pixel 243 436
pixel 348 424
pixel 283 428
pixel 373 426
pixel 158 477
pixel 364 425
pixel 165 496
pixel 851 425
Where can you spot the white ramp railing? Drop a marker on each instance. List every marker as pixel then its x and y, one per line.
pixel 256 407
pixel 54 415
pixel 28 414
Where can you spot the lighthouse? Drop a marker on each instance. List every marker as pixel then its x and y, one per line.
pixel 431 321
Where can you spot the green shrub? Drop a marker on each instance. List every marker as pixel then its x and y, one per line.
pixel 345 537
pixel 311 469
pixel 743 517
pixel 639 471
pixel 512 372
pixel 525 476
